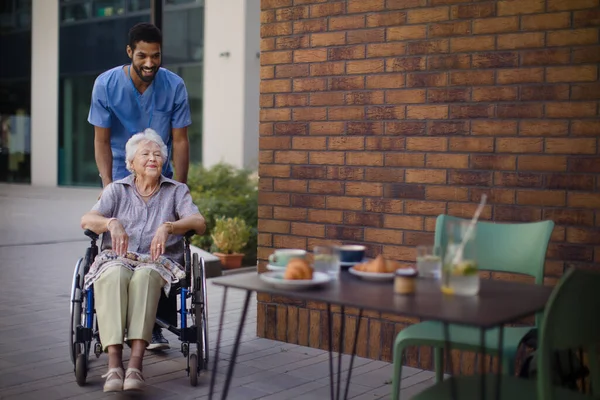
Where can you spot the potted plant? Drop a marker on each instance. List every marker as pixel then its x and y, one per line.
pixel 229 236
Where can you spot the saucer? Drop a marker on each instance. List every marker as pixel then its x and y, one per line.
pixel 347 264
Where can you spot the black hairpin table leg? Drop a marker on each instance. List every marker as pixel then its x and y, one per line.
pixel 330 333
pixel 356 329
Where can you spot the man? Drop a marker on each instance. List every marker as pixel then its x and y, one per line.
pixel 128 99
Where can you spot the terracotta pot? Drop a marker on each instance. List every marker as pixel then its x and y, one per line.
pixel 230 261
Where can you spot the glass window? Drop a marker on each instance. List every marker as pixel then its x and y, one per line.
pixel 139 5
pixel 109 8
pixel 192 76
pixel 76 12
pixel 15 131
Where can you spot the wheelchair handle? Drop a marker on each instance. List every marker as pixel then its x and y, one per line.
pixel 91 234
pixel 189 234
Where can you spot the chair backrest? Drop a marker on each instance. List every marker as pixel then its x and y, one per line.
pixel 506 247
pixel 571 321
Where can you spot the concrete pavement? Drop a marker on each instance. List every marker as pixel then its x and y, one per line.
pixel 40 242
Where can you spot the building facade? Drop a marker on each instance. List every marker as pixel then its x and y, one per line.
pixel 51 51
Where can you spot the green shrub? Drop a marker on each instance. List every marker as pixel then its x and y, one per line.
pixel 225 191
pixel 230 235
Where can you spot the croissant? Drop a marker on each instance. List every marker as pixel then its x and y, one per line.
pixel 378 265
pixel 298 269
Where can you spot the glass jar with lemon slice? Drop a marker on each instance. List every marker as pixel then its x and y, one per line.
pixel 460 272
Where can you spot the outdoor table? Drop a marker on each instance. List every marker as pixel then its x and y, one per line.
pixel 498 303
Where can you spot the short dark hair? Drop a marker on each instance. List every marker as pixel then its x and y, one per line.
pixel 144 32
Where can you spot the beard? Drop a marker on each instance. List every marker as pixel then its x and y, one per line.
pixel 146 79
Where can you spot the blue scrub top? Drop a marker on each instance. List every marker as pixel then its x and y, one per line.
pixel 117 105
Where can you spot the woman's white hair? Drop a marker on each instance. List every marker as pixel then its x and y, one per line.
pixel 149 135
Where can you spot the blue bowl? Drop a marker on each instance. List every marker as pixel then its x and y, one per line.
pixel 351 253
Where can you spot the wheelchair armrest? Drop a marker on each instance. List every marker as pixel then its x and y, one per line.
pixel 189 234
pixel 91 234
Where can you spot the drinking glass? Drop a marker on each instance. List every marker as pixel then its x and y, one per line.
pixel 460 272
pixel 327 260
pixel 429 261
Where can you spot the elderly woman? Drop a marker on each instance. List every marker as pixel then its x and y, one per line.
pixel 144 217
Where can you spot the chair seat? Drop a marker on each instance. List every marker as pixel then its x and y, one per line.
pixel 431 333
pixel 511 388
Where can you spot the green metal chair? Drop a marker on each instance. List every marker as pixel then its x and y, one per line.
pixel 570 322
pixel 515 248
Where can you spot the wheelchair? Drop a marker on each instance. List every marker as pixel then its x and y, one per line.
pixel 84 325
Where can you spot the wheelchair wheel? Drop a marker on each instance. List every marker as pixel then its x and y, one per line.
pixel 193 361
pixel 75 308
pixel 200 310
pixel 81 369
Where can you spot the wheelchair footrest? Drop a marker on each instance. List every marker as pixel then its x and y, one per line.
pixel 189 335
pixel 83 335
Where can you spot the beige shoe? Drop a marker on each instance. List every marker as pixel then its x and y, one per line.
pixel 114 380
pixel 133 380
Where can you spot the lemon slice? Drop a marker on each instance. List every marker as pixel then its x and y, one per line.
pixel 447 290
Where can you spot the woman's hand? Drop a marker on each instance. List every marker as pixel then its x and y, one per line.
pixel 157 247
pixel 120 239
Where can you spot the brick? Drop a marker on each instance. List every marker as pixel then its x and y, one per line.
pixel 425 176
pixel 291 157
pixel 267 72
pixel 309 84
pixel 364 158
pixel 545 92
pixel 570 216
pixel 275 29
pixel 489 94
pixel 522 110
pixel 306 143
pixel 582 235
pixel 275 86
pixel 291 13
pixel 310 25
pixel 474 11
pixel 391 18
pixel 327 39
pixel 410 32
pixel 424 207
pixel 455 61
pixel 383 236
pixel 266 157
pixel 583 200
pixel 426 144
pixel 358 6
pixel 585 128
pixel 495 195
pixel 469 78
pixel 403 4
pixel 291 100
pixel 571 146
pixel 520 40
pixel 309 114
pixel 273 226
pixel 385 50
pixel 545 57
pixel 267 16
pixel 519 145
pixel 426 79
pixel 291 128
pixel 427 112
pixel 389 206
pixel 345 233
pixel 347 83
pixel 585 18
pixel 493 128
pixel 345 173
pixel 384 112
pixel 405 128
pixel 517 214
pixel 560 5
pixel 325 187
pixel 574 37
pixel 543 22
pixel 446 193
pixel 385 143
pixel 454 161
pixel 446 29
pixel 514 7
pixel 495 60
pixel 461 112
pixel 471 144
pixel 266 4
pixel 428 47
pixel 569 252
pixel 543 128
pixel 290 185
pixel 346 22
pixel 267 44
pixel 275 114
pixel 404 191
pixel 494 162
pixel 327 10
pixel 446 128
pixel 291 71
pixel 346 113
pixel 585 91
pixel 266 100
pixel 404 160
pixel 384 175
pixel 466 211
pixel 364 128
pixel 327 99
pixel 274 143
pixel 293 42
pixel 570 182
pixel 520 75
pixel 327 68
pixel 387 81
pixel 344 203
pixel 496 25
pixel 364 98
pixel 572 74
pixel 304 229
pixel 570 110
pixel 326 128
pixel 289 213
pixel 542 163
pixel 347 53
pixel 310 55
pixel 365 67
pixel 346 143
pixel 364 189
pixel 308 172
pixel 405 64
pixel 325 216
pixel 326 158
pixel 471 44
pixel 403 222
pixel 586 55
pixel 520 179
pixel 277 199
pixel 366 36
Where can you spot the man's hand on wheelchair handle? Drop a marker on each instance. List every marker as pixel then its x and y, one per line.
pixel 120 239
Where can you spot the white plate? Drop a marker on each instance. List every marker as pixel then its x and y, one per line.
pixel 275 278
pixel 272 267
pixel 352 263
pixel 372 276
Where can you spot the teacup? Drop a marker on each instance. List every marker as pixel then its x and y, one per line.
pixel 351 253
pixel 281 257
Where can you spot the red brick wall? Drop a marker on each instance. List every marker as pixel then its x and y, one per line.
pixel 378 115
